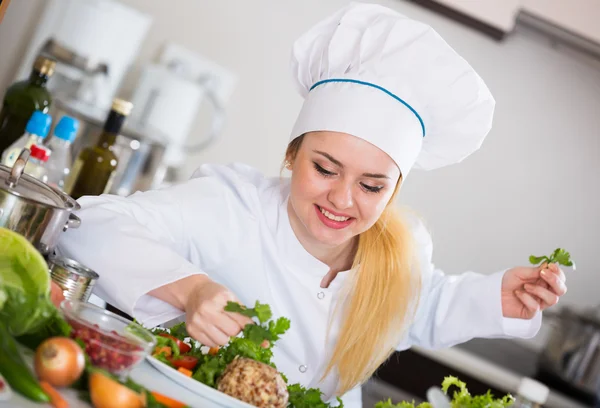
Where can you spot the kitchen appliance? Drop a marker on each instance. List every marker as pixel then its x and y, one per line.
pixel 33 209
pixel 75 280
pixel 94 42
pixel 572 351
pixel 140 148
pixel 169 95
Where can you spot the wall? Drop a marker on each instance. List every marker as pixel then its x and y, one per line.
pixel 533 186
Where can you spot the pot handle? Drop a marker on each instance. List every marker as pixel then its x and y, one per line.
pixel 73 222
pixel 17 169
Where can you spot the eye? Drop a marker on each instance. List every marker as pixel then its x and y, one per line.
pixel 371 189
pixel 321 170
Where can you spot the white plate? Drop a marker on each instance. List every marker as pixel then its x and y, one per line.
pixel 197 387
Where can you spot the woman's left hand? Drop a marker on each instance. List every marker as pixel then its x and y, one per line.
pixel 528 290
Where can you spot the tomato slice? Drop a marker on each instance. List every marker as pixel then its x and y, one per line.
pixel 187 362
pixel 183 347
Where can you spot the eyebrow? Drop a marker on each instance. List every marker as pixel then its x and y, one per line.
pixel 339 164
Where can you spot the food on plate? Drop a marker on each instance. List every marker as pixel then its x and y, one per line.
pixel 255 383
pixel 106 392
pixel 255 343
pixel 59 361
pixel 559 256
pixel 461 398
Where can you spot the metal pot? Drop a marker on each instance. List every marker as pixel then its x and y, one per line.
pixel 33 209
pixel 572 351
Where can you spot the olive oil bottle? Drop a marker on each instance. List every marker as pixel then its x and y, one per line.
pixel 22 99
pixel 94 169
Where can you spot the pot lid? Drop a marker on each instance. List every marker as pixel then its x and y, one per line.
pixel 23 185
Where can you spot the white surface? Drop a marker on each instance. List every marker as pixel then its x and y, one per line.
pixel 489 373
pixel 578 16
pixel 206 392
pixel 498 13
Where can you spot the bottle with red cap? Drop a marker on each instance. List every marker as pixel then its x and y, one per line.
pixel 35 165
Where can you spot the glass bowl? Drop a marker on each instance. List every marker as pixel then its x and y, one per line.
pixel 112 342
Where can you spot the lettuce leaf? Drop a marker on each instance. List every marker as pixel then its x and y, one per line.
pixel 25 285
pixel 461 398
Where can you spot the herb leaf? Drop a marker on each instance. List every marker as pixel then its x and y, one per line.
pixel 559 256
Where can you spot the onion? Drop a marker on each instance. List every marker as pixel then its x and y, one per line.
pixel 59 361
pixel 108 393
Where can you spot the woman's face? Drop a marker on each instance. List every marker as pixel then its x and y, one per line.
pixel 340 186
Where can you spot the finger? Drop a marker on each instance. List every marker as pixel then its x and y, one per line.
pixel 216 336
pixel 199 335
pixel 229 325
pixel 555 284
pixel 528 301
pixel 547 297
pixel 557 271
pixel 240 319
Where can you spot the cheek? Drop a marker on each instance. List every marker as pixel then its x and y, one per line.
pixel 308 186
pixel 372 206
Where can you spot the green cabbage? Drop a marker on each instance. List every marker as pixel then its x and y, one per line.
pixel 25 304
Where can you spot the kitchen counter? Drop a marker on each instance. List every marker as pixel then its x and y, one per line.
pixel 143 374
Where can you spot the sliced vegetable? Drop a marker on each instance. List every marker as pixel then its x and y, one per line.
pixel 106 392
pixel 164 350
pixel 182 346
pixel 185 371
pixel 59 361
pixel 213 351
pixel 56 400
pixel 187 362
pixel 559 256
pixel 15 371
pixel 166 401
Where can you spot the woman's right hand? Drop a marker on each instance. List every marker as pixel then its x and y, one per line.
pixel 206 319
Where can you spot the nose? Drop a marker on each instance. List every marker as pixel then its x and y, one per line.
pixel 340 195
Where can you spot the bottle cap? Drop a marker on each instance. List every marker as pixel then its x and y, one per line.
pixel 44 66
pixel 39 124
pixel 66 129
pixel 39 153
pixel 533 391
pixel 122 106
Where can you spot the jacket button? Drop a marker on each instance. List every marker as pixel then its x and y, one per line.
pixel 303 368
pixel 321 295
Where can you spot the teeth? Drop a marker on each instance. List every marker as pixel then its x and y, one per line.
pixel 333 217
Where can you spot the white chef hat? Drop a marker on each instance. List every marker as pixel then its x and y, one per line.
pixel 373 73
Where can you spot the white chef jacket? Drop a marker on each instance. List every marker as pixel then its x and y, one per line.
pixel 231 223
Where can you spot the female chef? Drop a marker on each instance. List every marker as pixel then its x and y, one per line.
pixel 326 248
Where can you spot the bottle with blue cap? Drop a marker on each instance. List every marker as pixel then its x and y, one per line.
pixel 35 132
pixel 59 164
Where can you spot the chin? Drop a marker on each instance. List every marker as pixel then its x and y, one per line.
pixel 329 237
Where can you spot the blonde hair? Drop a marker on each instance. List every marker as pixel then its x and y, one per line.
pixel 381 296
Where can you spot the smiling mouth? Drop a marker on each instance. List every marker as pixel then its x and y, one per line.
pixel 333 217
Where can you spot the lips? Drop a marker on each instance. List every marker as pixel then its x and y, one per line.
pixel 332 219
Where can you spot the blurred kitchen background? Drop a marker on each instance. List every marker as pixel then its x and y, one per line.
pixel 209 81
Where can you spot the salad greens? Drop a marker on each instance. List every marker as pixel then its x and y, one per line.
pixel 24 285
pixel 255 342
pixel 559 256
pixel 461 398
